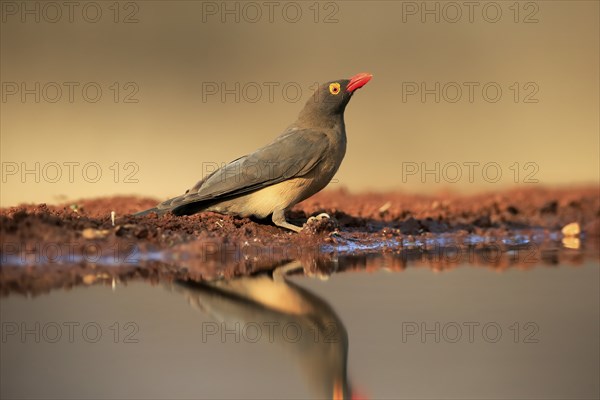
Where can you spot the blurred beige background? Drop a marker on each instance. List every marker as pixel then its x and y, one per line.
pixel 542 130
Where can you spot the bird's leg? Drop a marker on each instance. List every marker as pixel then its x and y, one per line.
pixel 280 273
pixel 279 220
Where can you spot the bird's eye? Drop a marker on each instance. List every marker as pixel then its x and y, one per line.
pixel 334 88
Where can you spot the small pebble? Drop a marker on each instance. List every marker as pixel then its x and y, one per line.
pixel 385 207
pixel 571 229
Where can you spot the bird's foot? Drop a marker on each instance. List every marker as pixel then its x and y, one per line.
pixel 321 223
pixel 318 218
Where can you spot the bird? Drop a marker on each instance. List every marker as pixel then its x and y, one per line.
pixel 298 163
pixel 317 341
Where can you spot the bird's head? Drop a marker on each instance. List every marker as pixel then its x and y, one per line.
pixel 330 99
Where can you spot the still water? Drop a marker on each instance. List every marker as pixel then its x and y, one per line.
pixel 370 331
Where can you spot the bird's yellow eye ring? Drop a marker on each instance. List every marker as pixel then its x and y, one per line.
pixel 334 88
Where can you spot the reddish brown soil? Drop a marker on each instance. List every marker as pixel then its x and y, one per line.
pixel 209 245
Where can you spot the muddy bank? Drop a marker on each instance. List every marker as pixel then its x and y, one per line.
pixel 59 245
pixel 369 213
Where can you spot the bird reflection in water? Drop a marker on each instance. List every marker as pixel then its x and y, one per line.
pixel 320 351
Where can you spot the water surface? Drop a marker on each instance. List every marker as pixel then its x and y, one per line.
pixel 374 330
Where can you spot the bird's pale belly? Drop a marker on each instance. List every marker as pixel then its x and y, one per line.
pixel 263 202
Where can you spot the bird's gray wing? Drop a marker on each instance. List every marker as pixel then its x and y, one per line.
pixel 293 154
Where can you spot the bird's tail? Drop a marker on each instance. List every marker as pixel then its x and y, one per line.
pixel 181 205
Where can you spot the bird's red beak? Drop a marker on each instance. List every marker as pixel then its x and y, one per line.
pixel 358 81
